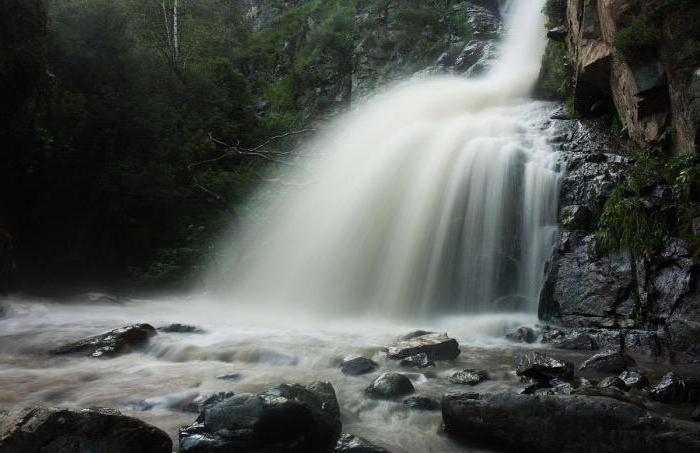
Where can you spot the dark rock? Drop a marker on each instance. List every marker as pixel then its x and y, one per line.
pixel 675 389
pixel 436 346
pixel 422 403
pixel 287 418
pixel 390 385
pixel 355 366
pixel 607 362
pixel 610 392
pixel 576 218
pixel 575 341
pixel 696 414
pixel 522 335
pixel 118 341
pixel 414 334
pixel 353 444
pixel 180 328
pixel 553 387
pixel 559 423
pixel 417 361
pixel 205 400
pixel 47 429
pixel 558 33
pixel 541 367
pixel 613 381
pixel 468 377
pixel 634 379
pixel 582 382
pixel 230 377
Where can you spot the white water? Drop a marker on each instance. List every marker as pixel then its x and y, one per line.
pixel 435 197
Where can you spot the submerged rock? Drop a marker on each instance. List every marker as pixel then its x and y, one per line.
pixel 230 376
pixel 390 385
pixel 675 389
pixel 541 367
pixel 180 328
pixel 118 341
pixel 287 418
pixel 558 423
pixel 607 362
pixel 349 443
pixel 522 335
pixel 48 429
pixel 468 377
pixel 421 403
pixel 355 366
pixel 435 346
pixel 417 361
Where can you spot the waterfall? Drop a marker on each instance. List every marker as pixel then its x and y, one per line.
pixel 436 196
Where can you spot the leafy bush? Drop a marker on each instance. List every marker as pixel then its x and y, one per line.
pixel 639 40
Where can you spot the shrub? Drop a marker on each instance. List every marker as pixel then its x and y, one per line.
pixel 638 41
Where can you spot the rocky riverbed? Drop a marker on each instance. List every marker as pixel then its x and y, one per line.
pixel 382 381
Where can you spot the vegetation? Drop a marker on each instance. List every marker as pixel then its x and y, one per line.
pixel 639 40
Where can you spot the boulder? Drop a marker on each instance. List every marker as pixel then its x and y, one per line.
pixel 468 377
pixel 613 381
pixel 552 387
pixel 287 418
pixel 575 340
pixel 634 379
pixel 349 443
pixel 522 335
pixel 119 341
pixel 607 362
pixel 49 429
pixel 435 346
pixel 355 366
pixel 675 389
pixel 558 33
pixel 421 403
pixel 180 328
pixel 557 423
pixel 417 361
pixel 390 385
pixel 541 367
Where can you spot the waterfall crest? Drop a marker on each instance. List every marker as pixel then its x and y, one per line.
pixel 436 196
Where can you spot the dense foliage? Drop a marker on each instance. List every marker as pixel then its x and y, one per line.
pixel 109 171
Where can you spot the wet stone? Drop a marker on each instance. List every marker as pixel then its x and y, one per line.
pixel 613 381
pixel 541 367
pixel 355 366
pixel 417 361
pixel 422 403
pixel 468 377
pixel 119 341
pixel 435 346
pixel 390 385
pixel 349 443
pixel 634 379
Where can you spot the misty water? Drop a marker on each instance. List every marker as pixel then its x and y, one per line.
pixel 429 206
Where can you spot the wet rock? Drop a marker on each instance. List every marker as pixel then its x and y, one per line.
pixel 582 382
pixel 287 418
pixel 610 392
pixel 675 389
pixel 436 346
pixel 575 423
pixel 119 341
pixel 390 385
pixel 541 367
pixel 355 366
pixel 417 361
pixel 576 218
pixel 522 335
pixel 468 377
pixel 180 328
pixel 613 381
pixel 230 376
pixel 575 341
pixel 349 443
pixel 205 400
pixel 414 334
pixel 607 362
pixel 48 429
pixel 553 387
pixel 422 403
pixel 634 379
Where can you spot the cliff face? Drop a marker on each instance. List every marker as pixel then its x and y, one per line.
pixel 641 60
pixel 651 91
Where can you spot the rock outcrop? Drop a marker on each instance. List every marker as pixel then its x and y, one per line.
pixel 47 429
pixel 556 423
pixel 119 341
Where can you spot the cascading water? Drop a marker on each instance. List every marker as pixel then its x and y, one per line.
pixel 436 196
